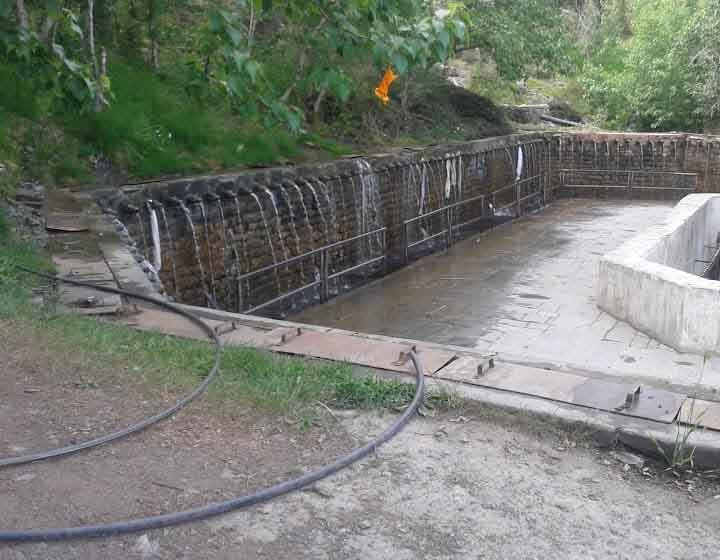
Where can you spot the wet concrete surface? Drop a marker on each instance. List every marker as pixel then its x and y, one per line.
pixel 525 290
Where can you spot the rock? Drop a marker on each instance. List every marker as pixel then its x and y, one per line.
pixel 227 474
pixel 27 477
pixel 146 547
pixel 629 459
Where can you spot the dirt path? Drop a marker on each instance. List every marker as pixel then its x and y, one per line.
pixel 471 484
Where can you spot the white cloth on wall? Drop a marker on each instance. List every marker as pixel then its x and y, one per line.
pixel 519 170
pixel 155 229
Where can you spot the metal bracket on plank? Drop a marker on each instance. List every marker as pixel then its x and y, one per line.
pixel 225 328
pixel 487 363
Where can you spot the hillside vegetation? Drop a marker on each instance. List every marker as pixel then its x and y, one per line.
pixel 114 90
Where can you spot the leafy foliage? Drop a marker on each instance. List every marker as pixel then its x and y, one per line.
pixel 47 60
pixel 658 72
pixel 521 36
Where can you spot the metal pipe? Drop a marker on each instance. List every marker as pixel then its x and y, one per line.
pixel 556 120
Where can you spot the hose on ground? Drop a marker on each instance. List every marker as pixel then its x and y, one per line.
pixel 210 510
pixel 147 422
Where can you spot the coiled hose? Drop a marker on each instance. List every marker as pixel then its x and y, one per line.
pixel 147 422
pixel 203 512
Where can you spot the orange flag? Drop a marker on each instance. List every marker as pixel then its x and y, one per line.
pixel 383 89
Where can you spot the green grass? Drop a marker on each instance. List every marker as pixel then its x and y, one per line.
pixel 295 388
pixel 153 127
pixel 568 90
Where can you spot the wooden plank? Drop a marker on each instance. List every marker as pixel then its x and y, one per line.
pixel 531 381
pixel 601 394
pixel 704 413
pixel 359 350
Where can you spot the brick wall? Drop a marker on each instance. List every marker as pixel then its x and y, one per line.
pixel 214 228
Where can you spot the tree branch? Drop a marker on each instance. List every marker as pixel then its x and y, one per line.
pixel 303 61
pixel 22 16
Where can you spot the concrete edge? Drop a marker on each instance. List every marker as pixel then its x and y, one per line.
pixel 667 303
pixel 607 428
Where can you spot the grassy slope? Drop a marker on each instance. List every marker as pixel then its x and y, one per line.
pixel 292 387
pixel 154 127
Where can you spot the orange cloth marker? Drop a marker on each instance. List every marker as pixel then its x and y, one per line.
pixel 383 89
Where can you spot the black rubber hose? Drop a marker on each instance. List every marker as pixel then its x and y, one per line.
pixel 147 422
pixel 196 514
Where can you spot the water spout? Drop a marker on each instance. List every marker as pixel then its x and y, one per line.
pixel 293 228
pixel 326 229
pixel 141 226
pixel 209 250
pixel 196 250
pixel 173 248
pixel 331 207
pixel 223 235
pixel 243 244
pixel 269 238
pixel 308 225
pixel 278 222
pixel 155 234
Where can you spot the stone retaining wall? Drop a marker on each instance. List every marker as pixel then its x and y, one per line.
pixel 212 229
pixel 680 161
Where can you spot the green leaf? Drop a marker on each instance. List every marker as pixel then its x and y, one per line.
pixel 253 68
pixel 342 90
pixel 240 58
pixel 399 63
pixel 380 54
pixel 444 38
pixel 235 36
pixel 215 22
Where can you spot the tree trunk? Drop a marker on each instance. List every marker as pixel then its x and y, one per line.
pixel 318 103
pixel 98 70
pixel 100 101
pixel 91 35
pixel 154 54
pixel 48 30
pixel 152 29
pixel 22 16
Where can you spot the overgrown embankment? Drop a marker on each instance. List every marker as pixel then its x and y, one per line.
pixel 294 388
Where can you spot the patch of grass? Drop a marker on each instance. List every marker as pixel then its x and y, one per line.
pixel 500 91
pixel 295 388
pixel 157 129
pixel 4 227
pixel 681 456
pixel 568 90
pixel 160 128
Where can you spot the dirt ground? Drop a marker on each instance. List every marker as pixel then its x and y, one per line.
pixel 472 483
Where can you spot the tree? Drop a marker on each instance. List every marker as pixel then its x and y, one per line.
pixel 645 81
pixel 520 34
pixel 49 50
pixel 321 40
pixel 706 61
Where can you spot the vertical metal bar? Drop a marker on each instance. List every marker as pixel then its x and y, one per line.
pixel 323 276
pixel 448 224
pixel 239 296
pixel 405 242
pixel 548 178
pixel 706 179
pixel 385 252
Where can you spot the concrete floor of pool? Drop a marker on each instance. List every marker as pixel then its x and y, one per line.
pixel 526 290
